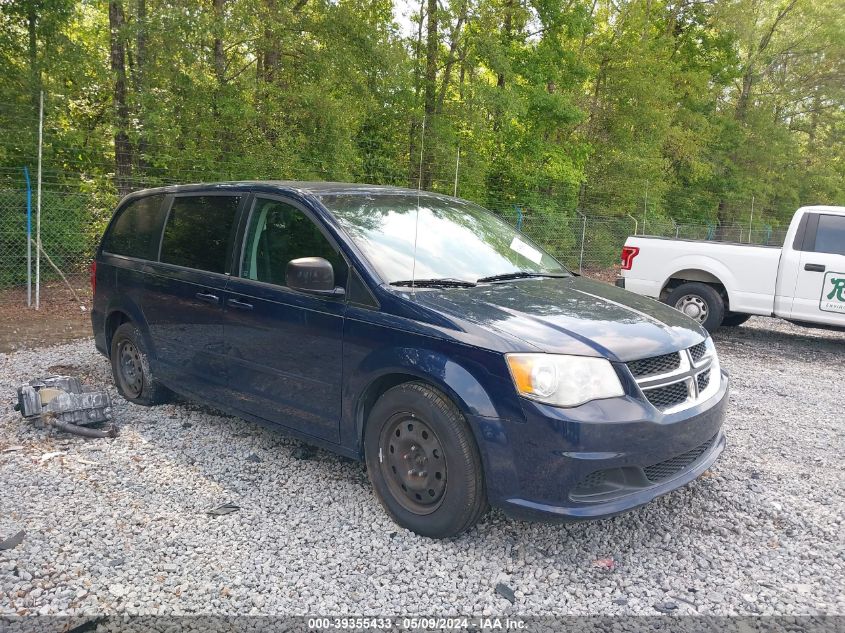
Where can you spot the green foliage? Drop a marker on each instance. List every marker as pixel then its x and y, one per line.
pixel 681 110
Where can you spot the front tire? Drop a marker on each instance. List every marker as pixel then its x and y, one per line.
pixel 423 461
pixel 735 319
pixel 700 302
pixel 131 368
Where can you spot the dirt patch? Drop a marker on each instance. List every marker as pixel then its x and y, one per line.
pixel 60 316
pixel 607 275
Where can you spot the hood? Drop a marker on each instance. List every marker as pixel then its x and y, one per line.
pixel 571 315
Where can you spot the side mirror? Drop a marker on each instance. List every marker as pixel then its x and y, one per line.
pixel 314 275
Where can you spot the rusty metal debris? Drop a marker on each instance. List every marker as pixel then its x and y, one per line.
pixel 13 541
pixel 222 510
pixel 62 402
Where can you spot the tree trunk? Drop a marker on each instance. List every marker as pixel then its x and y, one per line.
pixel 450 60
pixel 745 93
pixel 122 146
pixel 413 160
pixel 430 93
pixel 35 71
pixel 140 79
pixel 270 54
pixel 507 34
pixel 219 55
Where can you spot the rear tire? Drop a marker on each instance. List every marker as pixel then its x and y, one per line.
pixel 423 461
pixel 130 367
pixel 700 302
pixel 735 319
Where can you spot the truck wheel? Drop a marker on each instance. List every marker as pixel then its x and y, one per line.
pixel 735 319
pixel 700 302
pixel 131 368
pixel 423 461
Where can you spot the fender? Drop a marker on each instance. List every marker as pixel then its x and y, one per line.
pixel 704 264
pixel 123 303
pixel 466 380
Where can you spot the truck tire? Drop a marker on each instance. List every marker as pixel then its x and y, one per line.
pixel 131 368
pixel 700 302
pixel 423 461
pixel 735 319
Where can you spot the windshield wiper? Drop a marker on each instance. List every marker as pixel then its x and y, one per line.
pixel 519 275
pixel 443 282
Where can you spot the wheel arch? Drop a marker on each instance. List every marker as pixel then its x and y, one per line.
pixel 713 273
pixel 119 314
pixel 452 379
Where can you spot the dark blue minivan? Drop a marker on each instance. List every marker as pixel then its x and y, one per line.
pixel 415 331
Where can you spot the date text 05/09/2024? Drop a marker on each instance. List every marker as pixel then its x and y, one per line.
pixel 416 623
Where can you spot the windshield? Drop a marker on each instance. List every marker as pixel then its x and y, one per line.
pixel 456 239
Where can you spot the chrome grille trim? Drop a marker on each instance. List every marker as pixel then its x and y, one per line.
pixel 694 373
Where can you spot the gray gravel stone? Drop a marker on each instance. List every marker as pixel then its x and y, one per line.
pixel 120 525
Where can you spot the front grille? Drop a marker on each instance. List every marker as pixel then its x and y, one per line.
pixel 671 467
pixel 703 380
pixel 655 365
pixel 676 381
pixel 668 396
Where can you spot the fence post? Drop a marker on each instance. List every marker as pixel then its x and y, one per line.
pixel 457 166
pixel 28 237
pixel 751 220
pixel 38 205
pixel 583 235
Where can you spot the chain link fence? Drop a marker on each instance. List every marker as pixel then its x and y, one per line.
pixel 593 243
pixel 68 236
pixel 72 221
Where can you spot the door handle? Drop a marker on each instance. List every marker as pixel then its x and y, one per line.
pixel 207 297
pixel 240 305
pixel 814 268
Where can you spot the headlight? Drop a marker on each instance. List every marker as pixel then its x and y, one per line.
pixel 563 381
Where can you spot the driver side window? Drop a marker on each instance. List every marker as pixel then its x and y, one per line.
pixel 279 232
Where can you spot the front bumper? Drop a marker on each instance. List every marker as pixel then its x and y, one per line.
pixel 600 459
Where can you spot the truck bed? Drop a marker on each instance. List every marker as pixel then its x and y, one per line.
pixel 748 271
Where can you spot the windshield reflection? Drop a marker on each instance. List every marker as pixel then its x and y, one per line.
pixel 455 238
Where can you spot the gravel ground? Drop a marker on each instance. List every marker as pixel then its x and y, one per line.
pixel 120 526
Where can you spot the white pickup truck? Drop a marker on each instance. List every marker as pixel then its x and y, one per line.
pixel 722 283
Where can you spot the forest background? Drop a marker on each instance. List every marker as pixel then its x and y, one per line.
pixel 645 113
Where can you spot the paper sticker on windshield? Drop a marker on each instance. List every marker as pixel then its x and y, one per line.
pixel 526 250
pixel 833 293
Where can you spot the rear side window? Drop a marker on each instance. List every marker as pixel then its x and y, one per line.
pixel 830 236
pixel 199 231
pixel 136 231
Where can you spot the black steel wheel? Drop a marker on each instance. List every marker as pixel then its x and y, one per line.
pixel 423 461
pixel 131 369
pixel 414 466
